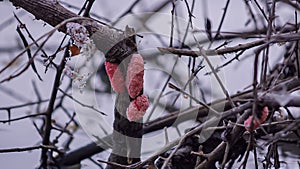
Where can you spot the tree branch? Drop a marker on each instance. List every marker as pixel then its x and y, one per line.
pixel 27 149
pixel 105 37
pixel 211 52
pixel 48 120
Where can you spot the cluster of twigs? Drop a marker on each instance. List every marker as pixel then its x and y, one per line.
pixel 228 143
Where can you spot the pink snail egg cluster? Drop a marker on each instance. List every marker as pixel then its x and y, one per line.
pixel 256 121
pixel 137 108
pixel 134 84
pixel 135 75
pixel 115 77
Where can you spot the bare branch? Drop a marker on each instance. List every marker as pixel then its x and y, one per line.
pixel 82 104
pixel 28 149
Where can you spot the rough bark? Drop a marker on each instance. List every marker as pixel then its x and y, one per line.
pixel 53 13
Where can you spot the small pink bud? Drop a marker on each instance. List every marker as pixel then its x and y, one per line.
pixel 115 76
pixel 137 108
pixel 135 75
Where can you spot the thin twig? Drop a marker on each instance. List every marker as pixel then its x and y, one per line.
pixel 227 149
pixel 129 10
pixel 172 86
pixel 172 24
pixel 25 104
pixel 48 119
pixel 21 118
pixel 28 52
pixel 222 19
pixel 64 129
pixel 29 34
pixel 82 104
pixel 297 46
pixel 88 8
pixel 219 80
pixel 251 14
pixel 28 149
pixel 261 10
pixel 211 52
pixel 47 35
